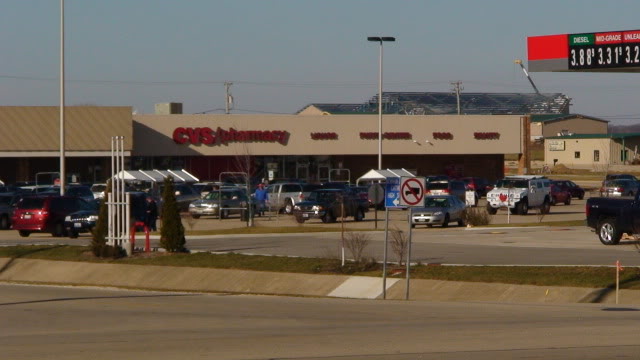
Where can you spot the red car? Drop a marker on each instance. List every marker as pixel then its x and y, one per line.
pixel 559 195
pixel 44 214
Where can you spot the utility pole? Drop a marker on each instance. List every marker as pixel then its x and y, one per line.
pixel 228 100
pixel 457 88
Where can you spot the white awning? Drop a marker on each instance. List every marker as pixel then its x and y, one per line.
pixel 157 175
pixel 383 174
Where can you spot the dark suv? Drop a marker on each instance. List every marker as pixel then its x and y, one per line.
pixel 44 214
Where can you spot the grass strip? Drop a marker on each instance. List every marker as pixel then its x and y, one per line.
pixel 573 276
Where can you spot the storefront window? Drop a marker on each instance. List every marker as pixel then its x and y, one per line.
pixel 577 154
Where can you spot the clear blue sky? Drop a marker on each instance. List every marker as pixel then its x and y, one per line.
pixel 283 55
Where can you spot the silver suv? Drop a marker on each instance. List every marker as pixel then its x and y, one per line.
pixel 519 194
pixel 283 196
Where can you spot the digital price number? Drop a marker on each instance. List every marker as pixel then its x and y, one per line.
pixel 604 50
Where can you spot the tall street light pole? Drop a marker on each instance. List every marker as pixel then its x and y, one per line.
pixel 380 40
pixel 62 155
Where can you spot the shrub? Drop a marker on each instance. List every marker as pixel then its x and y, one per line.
pixel 476 216
pixel 356 243
pixel 399 244
pixel 172 232
pixel 99 246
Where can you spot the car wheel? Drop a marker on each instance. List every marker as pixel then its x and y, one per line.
pixel 568 201
pixel 413 226
pixel 491 210
pixel 73 234
pixel 546 207
pixel 461 222
pixel 288 207
pixel 608 232
pixel 581 196
pixel 4 222
pixel 299 219
pixel 328 218
pixel 24 233
pixel 359 215
pixel 446 221
pixel 58 230
pixel 523 207
pixel 195 216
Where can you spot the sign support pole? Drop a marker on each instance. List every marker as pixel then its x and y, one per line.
pixel 409 253
pixel 384 261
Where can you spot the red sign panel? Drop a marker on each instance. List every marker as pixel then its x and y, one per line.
pixel 608 38
pixel 207 136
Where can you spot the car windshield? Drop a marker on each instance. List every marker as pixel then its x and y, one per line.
pixel 437 186
pixel 322 196
pixel 226 195
pixel 89 205
pixel 436 202
pixel 512 183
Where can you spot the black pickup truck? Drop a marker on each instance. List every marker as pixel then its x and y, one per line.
pixel 329 204
pixel 613 216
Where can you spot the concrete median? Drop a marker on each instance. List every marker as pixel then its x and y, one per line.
pixel 207 280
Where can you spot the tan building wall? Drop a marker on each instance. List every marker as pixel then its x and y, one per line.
pixel 329 135
pixel 609 152
pixel 88 129
pixel 575 126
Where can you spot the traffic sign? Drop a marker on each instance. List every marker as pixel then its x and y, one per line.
pixel 376 193
pixel 412 190
pixel 392 193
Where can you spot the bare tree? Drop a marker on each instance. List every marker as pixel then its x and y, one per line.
pixel 356 243
pixel 399 244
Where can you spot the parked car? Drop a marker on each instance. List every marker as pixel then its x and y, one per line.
pixel 574 189
pixel 85 219
pixel 519 193
pixel 221 203
pixel 439 210
pixel 284 196
pixel 432 178
pixel 44 214
pixel 452 187
pixel 98 190
pixel 80 191
pixel 204 188
pixel 620 177
pixel 620 187
pixel 7 204
pixel 612 217
pixel 480 185
pixel 330 204
pixel 185 195
pixel 559 195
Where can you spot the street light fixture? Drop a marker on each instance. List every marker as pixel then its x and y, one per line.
pixel 380 40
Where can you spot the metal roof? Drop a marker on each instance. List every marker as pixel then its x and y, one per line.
pixel 157 175
pixel 376 175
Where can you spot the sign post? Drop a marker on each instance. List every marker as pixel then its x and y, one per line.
pixel 391 200
pixel 412 191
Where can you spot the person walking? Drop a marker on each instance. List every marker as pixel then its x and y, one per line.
pixel 151 214
pixel 261 197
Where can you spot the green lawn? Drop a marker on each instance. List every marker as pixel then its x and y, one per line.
pixel 578 276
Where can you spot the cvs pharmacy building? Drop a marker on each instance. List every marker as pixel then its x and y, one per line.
pixel 325 147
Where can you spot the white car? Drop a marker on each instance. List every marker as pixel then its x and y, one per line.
pixel 98 190
pixel 439 210
pixel 519 194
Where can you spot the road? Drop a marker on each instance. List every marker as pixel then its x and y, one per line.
pixel 503 245
pixel 43 322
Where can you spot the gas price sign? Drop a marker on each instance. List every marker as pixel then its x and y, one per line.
pixel 616 49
